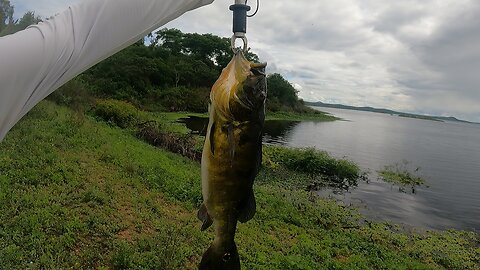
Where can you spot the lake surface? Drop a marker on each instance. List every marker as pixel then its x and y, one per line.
pixel 447 152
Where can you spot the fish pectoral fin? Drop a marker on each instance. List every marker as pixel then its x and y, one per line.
pixel 248 208
pixel 231 141
pixel 212 138
pixel 203 216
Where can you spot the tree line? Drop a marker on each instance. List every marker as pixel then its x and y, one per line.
pixel 176 70
pixel 10 25
pixel 168 70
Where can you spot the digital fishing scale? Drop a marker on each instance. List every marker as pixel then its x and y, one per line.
pixel 240 9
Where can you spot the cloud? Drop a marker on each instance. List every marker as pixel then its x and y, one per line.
pixel 412 55
pixel 43 8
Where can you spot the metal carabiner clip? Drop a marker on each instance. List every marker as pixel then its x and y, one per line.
pixel 240 9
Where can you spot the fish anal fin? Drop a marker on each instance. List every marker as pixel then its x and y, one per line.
pixel 248 208
pixel 203 216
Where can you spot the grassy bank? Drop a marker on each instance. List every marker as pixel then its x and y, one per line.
pixel 287 116
pixel 125 114
pixel 306 116
pixel 80 193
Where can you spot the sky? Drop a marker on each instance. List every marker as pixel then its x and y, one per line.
pixel 418 56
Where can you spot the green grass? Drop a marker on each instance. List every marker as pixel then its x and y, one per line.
pixel 307 116
pixel 169 120
pixel 77 193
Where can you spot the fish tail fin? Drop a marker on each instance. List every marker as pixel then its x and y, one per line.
pixel 220 258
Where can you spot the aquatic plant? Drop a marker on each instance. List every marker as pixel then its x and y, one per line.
pixel 401 174
pixel 322 169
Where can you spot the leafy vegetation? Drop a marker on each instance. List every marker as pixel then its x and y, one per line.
pixel 172 71
pixel 400 174
pixel 283 97
pixel 8 25
pixel 117 112
pixel 84 194
pixel 310 168
pixel 175 72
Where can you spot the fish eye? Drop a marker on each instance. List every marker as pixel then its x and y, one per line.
pixel 227 257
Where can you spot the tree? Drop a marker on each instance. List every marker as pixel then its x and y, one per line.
pixel 175 71
pixel 170 39
pixel 28 19
pixel 279 89
pixel 6 16
pixel 212 50
pixel 8 25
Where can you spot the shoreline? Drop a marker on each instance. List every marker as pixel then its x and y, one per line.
pixel 99 197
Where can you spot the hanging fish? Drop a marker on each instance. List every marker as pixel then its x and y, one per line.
pixel 232 157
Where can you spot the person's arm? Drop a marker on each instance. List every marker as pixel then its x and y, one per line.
pixel 37 61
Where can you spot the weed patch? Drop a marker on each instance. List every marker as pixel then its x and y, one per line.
pixel 400 174
pixel 320 168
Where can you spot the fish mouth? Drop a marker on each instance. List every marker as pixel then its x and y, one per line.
pixel 254 91
pixel 258 69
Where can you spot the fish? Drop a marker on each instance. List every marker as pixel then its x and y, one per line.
pixel 231 157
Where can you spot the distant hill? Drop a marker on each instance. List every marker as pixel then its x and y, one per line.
pixel 386 111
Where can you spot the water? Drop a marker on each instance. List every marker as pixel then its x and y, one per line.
pixel 447 152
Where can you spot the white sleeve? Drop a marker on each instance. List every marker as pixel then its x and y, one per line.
pixel 36 61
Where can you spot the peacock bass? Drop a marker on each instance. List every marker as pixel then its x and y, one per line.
pixel 232 157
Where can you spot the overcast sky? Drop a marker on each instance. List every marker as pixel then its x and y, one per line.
pixel 420 56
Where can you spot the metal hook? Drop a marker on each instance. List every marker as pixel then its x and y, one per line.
pixel 256 10
pixel 237 49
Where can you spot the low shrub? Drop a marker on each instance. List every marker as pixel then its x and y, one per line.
pixel 75 94
pixel 120 113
